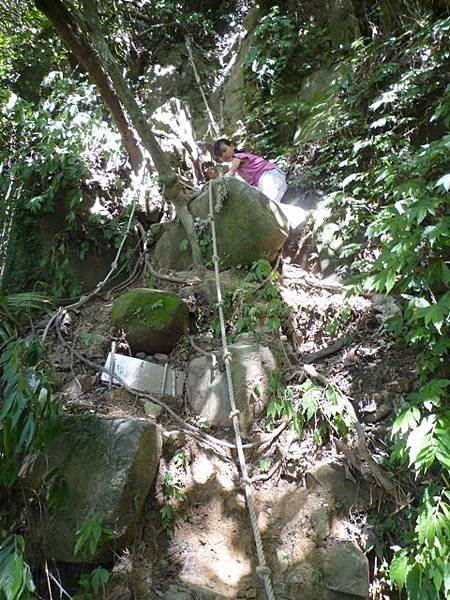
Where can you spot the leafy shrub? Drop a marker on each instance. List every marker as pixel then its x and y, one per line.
pixel 393 217
pixel 93 584
pixel 28 414
pixel 56 158
pixel 91 535
pixel 16 582
pixel 281 55
pixel 256 303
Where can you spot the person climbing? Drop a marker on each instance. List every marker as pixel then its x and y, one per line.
pixel 255 170
pixel 266 176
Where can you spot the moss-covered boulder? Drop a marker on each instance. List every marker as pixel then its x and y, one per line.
pixel 152 320
pixel 249 227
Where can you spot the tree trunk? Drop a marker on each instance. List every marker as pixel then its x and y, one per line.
pixel 76 42
pixel 60 16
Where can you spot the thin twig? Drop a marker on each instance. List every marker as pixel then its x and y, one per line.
pixel 192 281
pixel 59 585
pixel 329 350
pixel 278 464
pixel 49 587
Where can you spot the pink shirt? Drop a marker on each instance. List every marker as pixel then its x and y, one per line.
pixel 252 167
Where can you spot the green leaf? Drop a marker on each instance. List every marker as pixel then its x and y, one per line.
pixel 445 273
pixel 349 179
pixel 398 570
pixel 447 579
pixel 99 577
pixel 15 576
pixel 434 315
pixel 309 403
pixel 390 281
pixel 442 442
pixel 417 585
pixel 429 523
pixel 406 420
pixel 421 451
pixel 265 464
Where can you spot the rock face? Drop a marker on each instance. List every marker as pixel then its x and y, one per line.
pixel 152 320
pixel 249 227
pixel 107 467
pixel 251 366
pixel 30 256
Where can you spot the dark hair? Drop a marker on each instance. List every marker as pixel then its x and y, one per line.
pixel 219 143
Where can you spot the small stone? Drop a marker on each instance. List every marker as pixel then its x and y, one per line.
pixel 140 355
pixel 152 410
pixel 162 358
pixel 72 389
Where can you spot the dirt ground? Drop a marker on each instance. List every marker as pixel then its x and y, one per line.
pixel 312 508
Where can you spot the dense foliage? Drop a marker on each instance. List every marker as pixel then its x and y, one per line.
pixel 385 148
pixel 377 137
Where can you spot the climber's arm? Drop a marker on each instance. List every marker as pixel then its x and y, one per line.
pixel 234 166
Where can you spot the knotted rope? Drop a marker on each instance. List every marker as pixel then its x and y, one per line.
pixel 262 569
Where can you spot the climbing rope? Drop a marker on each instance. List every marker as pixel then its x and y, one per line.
pixel 262 569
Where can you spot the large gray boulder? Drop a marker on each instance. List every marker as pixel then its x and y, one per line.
pixel 106 470
pixel 249 227
pixel 207 392
pixel 152 320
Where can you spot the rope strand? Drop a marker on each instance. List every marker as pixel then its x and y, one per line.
pixel 262 569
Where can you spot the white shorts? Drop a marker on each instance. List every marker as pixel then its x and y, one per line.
pixel 273 184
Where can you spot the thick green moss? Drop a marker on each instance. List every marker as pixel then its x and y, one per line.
pixel 152 320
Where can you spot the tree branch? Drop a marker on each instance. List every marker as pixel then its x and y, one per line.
pixel 76 42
